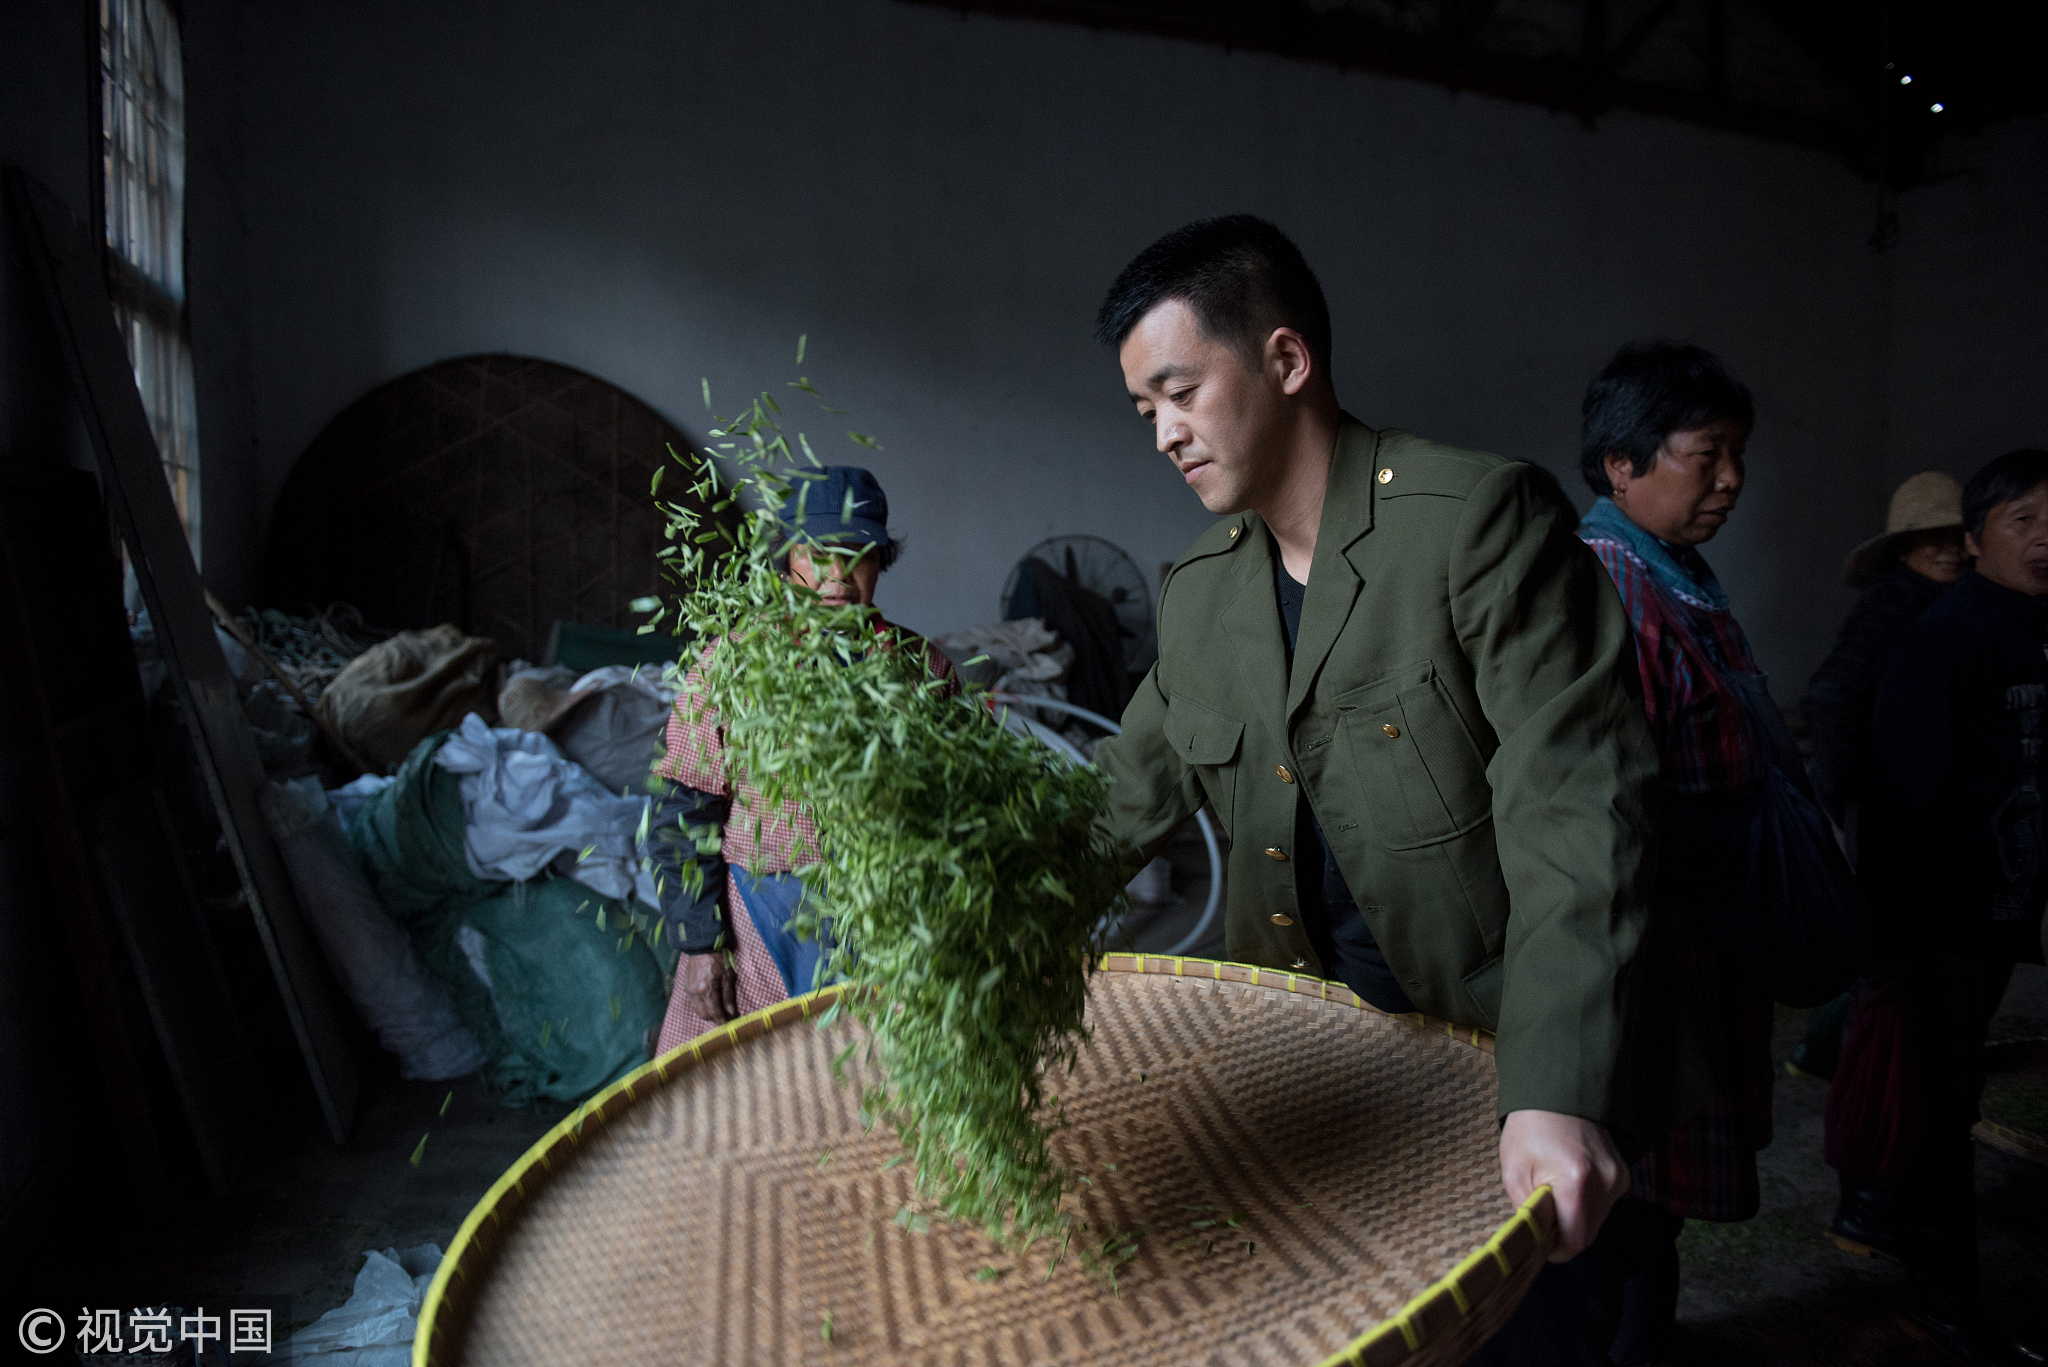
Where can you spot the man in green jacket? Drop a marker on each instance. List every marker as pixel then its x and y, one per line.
pixel 1409 692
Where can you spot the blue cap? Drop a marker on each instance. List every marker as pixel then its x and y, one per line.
pixel 827 517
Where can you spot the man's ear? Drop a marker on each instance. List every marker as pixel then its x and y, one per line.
pixel 1288 356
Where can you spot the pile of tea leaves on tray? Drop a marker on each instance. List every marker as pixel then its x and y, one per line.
pixel 963 868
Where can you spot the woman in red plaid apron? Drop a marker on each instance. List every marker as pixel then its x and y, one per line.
pixel 1665 428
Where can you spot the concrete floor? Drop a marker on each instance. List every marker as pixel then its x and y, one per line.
pixel 1775 1289
pixel 293 1234
pixel 1771 1291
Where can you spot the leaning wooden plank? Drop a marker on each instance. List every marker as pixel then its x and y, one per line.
pixel 25 517
pixel 131 474
pixel 182 984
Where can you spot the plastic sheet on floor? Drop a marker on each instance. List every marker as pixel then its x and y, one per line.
pixel 374 1328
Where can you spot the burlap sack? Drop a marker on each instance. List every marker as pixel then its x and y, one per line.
pixel 399 692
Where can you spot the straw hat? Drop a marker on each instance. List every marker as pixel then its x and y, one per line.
pixel 1313 1181
pixel 1929 501
pixel 530 703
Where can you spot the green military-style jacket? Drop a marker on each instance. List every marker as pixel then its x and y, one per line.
pixel 1462 716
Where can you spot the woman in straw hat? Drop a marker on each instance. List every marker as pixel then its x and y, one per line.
pixel 1902 573
pixel 739 954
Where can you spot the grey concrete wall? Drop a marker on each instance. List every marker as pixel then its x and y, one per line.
pixel 46 130
pixel 216 253
pixel 1969 369
pixel 663 192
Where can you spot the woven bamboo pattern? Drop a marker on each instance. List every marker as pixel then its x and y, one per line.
pixel 1316 1181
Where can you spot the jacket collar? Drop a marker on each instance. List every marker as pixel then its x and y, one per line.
pixel 2028 610
pixel 1899 580
pixel 1334 578
pixel 1252 618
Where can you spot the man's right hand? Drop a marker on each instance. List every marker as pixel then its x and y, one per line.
pixel 710 987
pixel 1576 1159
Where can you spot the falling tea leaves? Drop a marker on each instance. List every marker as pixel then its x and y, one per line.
pixel 962 870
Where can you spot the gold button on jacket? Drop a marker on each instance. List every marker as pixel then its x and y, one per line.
pixel 1280 920
pixel 1272 853
pixel 1392 730
pixel 1281 770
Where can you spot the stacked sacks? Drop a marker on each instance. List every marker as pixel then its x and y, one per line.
pixel 407 688
pixel 550 976
pixel 404 1005
pixel 610 721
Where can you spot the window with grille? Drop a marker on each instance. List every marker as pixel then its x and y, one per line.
pixel 142 144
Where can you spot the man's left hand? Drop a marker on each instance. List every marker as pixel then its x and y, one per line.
pixel 1576 1159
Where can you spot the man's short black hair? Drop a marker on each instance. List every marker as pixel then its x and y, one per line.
pixel 2001 481
pixel 1240 275
pixel 1648 391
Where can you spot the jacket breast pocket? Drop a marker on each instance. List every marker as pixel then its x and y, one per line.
pixel 1206 741
pixel 1424 778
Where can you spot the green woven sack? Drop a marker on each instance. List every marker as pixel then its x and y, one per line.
pixel 574 987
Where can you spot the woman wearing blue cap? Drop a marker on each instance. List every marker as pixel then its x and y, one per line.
pixel 738 952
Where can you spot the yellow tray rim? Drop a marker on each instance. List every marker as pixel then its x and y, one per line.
pixel 1526 1238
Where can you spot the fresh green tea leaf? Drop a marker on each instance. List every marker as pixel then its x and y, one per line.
pixel 962 870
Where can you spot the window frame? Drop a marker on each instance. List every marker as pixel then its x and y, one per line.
pixel 149 308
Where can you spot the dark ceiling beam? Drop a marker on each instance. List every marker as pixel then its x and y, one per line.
pixel 1717 49
pixel 1354 43
pixel 1646 24
pixel 1459 21
pixel 1828 37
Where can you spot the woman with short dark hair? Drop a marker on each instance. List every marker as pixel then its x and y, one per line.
pixel 1664 437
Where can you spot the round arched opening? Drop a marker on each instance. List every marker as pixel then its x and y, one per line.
pixel 499 493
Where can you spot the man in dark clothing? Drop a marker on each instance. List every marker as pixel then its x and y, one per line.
pixel 1952 843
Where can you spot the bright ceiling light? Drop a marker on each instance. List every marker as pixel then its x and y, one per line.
pixel 1934 108
pixel 1905 80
